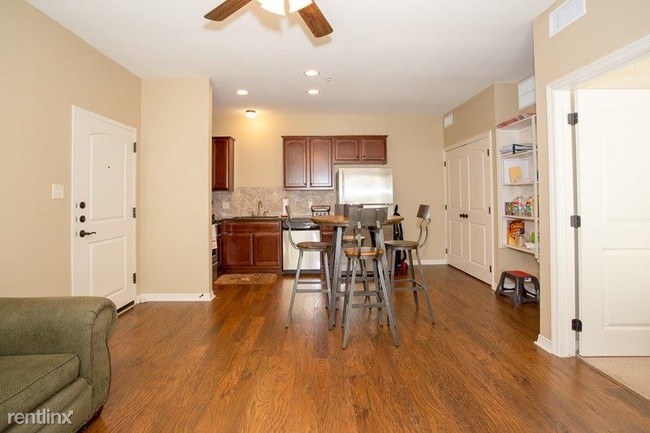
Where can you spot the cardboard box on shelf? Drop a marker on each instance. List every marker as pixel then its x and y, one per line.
pixel 515 229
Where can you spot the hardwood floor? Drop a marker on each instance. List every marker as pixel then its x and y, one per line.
pixel 231 366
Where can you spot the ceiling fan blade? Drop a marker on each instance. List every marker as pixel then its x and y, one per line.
pixel 315 20
pixel 225 9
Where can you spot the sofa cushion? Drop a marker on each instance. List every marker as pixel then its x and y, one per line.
pixel 26 381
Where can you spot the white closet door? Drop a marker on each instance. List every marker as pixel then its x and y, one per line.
pixel 469 222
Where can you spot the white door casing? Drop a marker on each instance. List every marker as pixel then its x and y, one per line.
pixel 469 202
pixel 613 150
pixel 103 193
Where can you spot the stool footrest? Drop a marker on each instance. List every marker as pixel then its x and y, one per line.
pixel 518 292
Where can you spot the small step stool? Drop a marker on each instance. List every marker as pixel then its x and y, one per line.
pixel 517 289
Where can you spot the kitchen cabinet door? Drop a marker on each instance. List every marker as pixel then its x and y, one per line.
pixel 320 158
pixel 268 249
pixel 373 150
pixel 346 150
pixel 238 250
pixel 223 163
pixel 295 152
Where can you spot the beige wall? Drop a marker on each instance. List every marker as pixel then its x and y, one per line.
pixel 44 71
pixel 606 27
pixel 175 187
pixel 415 153
pixel 472 117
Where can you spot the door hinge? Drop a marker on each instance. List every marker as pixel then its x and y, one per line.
pixel 445 207
pixel 572 118
pixel 135 146
pixel 489 210
pixel 575 221
pixel 133 212
pixel 490 268
pixel 134 278
pixel 446 251
pixel 488 152
pixel 576 325
pixel 444 163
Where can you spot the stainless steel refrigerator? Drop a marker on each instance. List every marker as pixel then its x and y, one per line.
pixel 370 186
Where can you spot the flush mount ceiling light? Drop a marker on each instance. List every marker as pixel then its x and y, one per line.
pixel 242 92
pixel 311 72
pixel 251 114
pixel 313 91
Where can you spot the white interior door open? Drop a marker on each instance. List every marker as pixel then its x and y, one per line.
pixel 103 202
pixel 613 150
pixel 469 222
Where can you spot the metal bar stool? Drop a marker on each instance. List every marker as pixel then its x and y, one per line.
pixel 302 247
pixel 359 219
pixel 409 246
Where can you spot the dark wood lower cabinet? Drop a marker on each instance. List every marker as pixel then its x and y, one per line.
pixel 250 247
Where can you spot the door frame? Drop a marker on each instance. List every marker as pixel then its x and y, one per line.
pixel 74 111
pixel 562 249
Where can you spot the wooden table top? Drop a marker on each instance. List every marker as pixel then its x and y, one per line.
pixel 340 220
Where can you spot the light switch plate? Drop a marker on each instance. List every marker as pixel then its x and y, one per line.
pixel 57 191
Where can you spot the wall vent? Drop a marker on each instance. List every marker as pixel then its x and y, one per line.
pixel 567 13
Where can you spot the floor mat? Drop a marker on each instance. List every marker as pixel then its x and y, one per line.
pixel 246 279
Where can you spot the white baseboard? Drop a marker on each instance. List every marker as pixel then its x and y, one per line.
pixel 544 343
pixel 434 262
pixel 175 297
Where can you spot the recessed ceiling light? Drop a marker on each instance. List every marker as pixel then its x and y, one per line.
pixel 242 92
pixel 311 72
pixel 313 91
pixel 251 114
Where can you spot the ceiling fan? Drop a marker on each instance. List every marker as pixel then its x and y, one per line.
pixel 308 10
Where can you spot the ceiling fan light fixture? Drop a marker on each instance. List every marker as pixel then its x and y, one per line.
pixel 296 5
pixel 251 114
pixel 311 73
pixel 242 92
pixel 313 91
pixel 273 6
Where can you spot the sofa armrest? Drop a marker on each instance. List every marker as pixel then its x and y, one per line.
pixel 80 325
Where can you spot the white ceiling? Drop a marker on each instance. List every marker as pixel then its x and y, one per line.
pixel 384 56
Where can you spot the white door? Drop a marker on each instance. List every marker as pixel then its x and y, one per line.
pixel 469 222
pixel 103 199
pixel 613 153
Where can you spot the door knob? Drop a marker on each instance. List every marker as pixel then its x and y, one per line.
pixel 85 233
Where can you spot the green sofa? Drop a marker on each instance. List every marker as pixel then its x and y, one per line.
pixel 55 367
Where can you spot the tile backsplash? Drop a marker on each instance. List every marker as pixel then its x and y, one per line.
pixel 244 201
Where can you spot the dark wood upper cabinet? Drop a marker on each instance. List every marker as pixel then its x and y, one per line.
pixel 307 163
pixel 223 163
pixel 296 167
pixel 360 149
pixel 320 159
pixel 346 149
pixel 373 150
